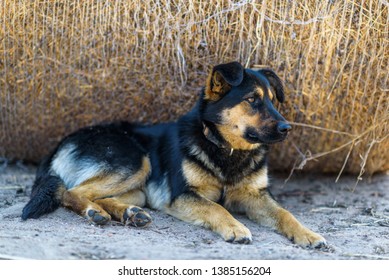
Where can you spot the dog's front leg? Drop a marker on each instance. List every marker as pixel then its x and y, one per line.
pixel 195 209
pixel 259 206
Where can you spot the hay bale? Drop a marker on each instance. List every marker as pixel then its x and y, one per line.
pixel 67 64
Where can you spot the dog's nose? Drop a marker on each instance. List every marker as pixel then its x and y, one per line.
pixel 283 127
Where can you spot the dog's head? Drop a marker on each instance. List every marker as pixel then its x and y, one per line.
pixel 239 104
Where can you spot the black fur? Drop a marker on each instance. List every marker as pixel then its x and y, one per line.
pixel 43 198
pixel 43 195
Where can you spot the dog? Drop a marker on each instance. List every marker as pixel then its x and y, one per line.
pixel 210 162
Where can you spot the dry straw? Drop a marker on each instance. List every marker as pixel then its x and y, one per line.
pixel 66 64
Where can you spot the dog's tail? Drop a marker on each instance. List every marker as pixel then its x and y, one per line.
pixel 46 194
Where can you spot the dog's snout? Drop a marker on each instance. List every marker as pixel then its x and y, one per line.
pixel 283 127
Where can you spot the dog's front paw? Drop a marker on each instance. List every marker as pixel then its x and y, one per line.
pixel 307 238
pixel 236 233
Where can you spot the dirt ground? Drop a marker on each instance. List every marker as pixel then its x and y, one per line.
pixel 355 224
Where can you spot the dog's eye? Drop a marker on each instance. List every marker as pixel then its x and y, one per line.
pixel 251 99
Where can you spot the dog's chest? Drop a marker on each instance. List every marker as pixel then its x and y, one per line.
pixel 212 186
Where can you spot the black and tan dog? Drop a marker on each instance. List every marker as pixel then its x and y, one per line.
pixel 211 161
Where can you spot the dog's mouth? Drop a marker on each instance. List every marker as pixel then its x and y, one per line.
pixel 255 139
pixel 268 138
pixel 252 138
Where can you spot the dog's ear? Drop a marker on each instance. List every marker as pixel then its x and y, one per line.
pixel 222 78
pixel 275 82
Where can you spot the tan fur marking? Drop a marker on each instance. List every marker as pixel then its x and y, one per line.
pixel 235 121
pixel 251 201
pixel 201 211
pixel 260 92
pixel 260 207
pixel 258 180
pixel 271 96
pixel 114 207
pixel 133 197
pixel 113 184
pixel 215 87
pixel 117 205
pixel 201 181
pixel 81 205
pixel 289 226
pixel 81 198
pixel 209 95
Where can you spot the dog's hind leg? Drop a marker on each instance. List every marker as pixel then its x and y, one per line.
pixel 81 203
pixel 87 199
pixel 126 208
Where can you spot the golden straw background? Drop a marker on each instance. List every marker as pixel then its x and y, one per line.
pixel 67 64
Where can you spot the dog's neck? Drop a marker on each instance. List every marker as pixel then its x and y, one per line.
pixel 210 135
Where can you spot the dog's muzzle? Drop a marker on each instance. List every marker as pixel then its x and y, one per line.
pixel 268 134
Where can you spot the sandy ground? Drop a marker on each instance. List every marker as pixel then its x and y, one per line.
pixel 355 224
